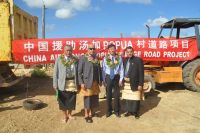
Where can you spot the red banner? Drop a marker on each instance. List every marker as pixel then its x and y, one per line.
pixel 37 51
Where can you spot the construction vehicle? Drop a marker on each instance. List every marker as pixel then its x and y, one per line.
pixel 14 24
pixel 186 72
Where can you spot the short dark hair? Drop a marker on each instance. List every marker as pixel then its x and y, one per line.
pixel 111 45
pixel 129 47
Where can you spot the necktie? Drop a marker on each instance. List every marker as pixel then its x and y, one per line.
pixel 112 74
pixel 127 68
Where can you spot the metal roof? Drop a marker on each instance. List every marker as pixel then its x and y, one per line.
pixel 181 22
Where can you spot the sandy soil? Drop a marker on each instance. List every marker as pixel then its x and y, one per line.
pixel 170 108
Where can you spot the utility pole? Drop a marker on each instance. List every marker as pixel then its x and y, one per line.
pixel 43 20
pixel 43 26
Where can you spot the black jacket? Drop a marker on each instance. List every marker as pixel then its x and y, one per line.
pixel 136 72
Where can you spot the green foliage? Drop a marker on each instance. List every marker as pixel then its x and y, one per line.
pixel 38 72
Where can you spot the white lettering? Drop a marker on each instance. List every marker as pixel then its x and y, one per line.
pixel 29 46
pixel 57 45
pixel 152 44
pixel 72 43
pixel 83 45
pixel 141 43
pixel 137 53
pixel 176 54
pixel 101 54
pixel 174 43
pixel 185 44
pixel 97 44
pixel 34 58
pixel 42 46
pixel 151 54
pixel 119 44
pixel 54 57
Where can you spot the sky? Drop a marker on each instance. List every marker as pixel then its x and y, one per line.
pixel 107 18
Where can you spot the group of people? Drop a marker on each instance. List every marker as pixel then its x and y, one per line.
pixel 87 74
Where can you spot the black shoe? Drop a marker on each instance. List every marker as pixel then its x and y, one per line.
pixel 137 116
pixel 95 115
pixel 88 119
pixel 117 114
pixel 127 114
pixel 108 114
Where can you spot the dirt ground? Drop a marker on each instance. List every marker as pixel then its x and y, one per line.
pixel 170 108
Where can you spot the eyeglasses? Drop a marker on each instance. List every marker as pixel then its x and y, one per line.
pixel 91 48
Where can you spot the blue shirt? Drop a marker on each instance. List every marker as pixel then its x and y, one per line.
pixel 119 69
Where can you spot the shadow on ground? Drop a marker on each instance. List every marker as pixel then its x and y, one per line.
pixel 170 87
pixel 27 88
pixel 9 108
pixel 151 101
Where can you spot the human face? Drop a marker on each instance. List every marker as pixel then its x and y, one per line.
pixel 91 49
pixel 129 52
pixel 68 51
pixel 112 50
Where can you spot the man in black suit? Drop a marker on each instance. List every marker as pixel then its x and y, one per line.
pixel 113 74
pixel 134 80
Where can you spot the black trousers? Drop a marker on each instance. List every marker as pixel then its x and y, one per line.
pixel 132 106
pixel 112 85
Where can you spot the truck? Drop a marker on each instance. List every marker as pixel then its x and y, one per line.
pixel 15 23
pixel 186 72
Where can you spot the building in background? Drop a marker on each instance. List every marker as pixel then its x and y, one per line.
pixel 25 25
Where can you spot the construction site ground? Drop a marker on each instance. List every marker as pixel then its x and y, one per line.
pixel 169 109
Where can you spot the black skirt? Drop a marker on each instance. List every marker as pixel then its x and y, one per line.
pixel 132 106
pixel 66 100
pixel 91 101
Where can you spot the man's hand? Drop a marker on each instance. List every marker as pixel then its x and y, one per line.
pixel 104 83
pixel 120 83
pixel 100 84
pixel 56 89
pixel 83 86
pixel 140 88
